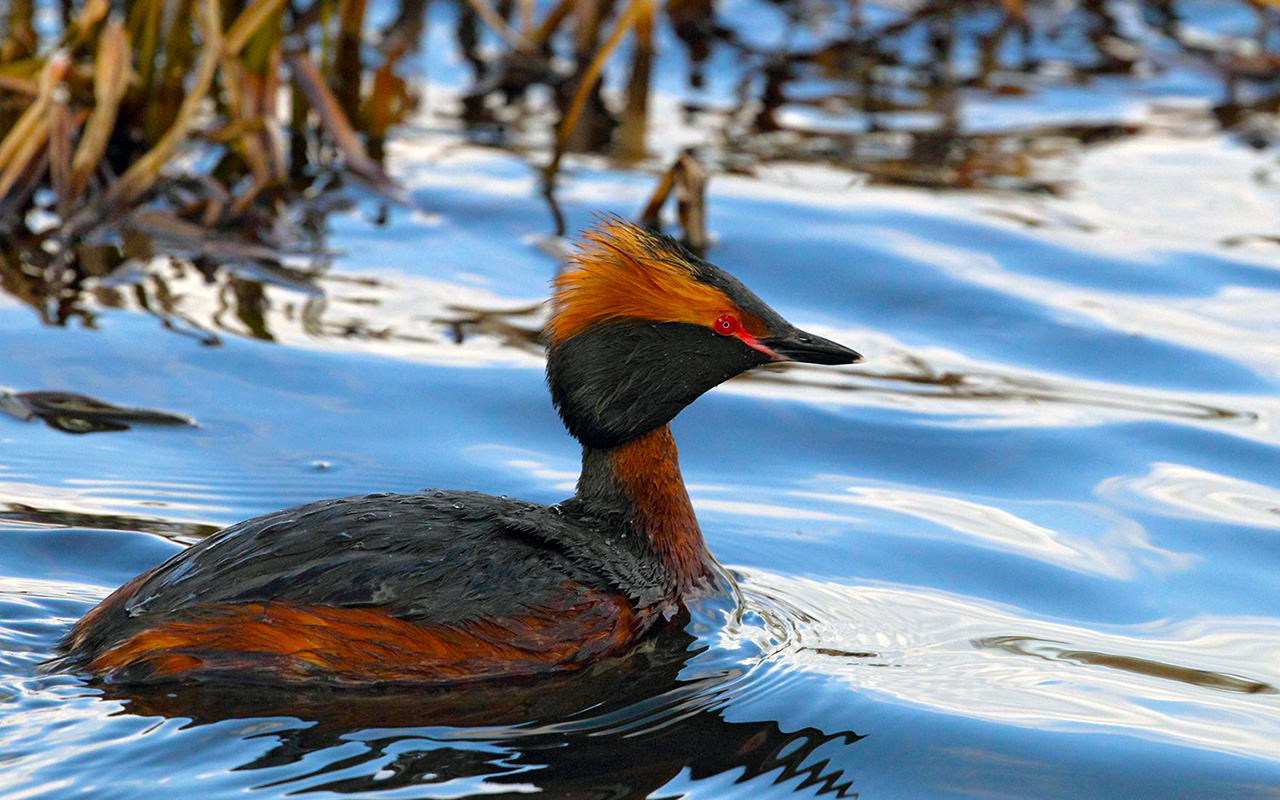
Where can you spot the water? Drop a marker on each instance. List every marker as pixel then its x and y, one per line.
pixel 1027 550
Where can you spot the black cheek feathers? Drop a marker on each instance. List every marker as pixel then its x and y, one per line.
pixel 622 379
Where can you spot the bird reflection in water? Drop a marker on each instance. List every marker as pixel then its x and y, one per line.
pixel 634 724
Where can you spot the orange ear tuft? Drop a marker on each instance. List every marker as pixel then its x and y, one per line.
pixel 621 270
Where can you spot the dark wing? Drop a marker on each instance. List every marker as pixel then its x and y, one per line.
pixel 440 558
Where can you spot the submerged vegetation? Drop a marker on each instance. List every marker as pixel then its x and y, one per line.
pixel 143 141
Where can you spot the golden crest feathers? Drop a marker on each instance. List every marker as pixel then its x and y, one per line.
pixel 621 270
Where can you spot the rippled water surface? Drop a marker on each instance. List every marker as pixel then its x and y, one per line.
pixel 1028 549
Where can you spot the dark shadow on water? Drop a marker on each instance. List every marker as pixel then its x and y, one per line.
pixel 621 729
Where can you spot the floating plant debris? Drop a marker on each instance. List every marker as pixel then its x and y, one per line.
pixel 78 413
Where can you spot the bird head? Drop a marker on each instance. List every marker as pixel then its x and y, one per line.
pixel 641 328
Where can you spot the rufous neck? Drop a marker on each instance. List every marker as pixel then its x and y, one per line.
pixel 641 478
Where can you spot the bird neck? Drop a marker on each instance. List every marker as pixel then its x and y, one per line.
pixel 641 478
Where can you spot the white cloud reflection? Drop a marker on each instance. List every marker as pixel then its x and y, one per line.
pixel 1114 545
pixel 1178 490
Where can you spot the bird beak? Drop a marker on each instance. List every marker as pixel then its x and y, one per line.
pixel 798 345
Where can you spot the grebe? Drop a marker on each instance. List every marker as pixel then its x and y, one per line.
pixel 443 587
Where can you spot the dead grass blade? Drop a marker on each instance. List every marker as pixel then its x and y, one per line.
pixel 309 82
pixel 111 72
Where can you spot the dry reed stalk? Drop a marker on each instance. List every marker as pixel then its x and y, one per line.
pixel 85 24
pixel 52 74
pixel 650 217
pixel 16 85
pixel 240 84
pixel 28 180
pixel 22 41
pixel 266 94
pixel 62 129
pixel 588 17
pixel 21 76
pixel 1017 10
pixel 691 202
pixel 384 99
pixel 238 94
pixel 261 58
pixel 30 133
pixel 308 81
pixel 250 22
pixel 688 179
pixel 626 20
pixel 550 23
pixel 110 81
pixel 497 24
pixel 631 136
pixel 143 24
pixel 348 67
pixel 144 172
pixel 526 18
pixel 177 56
pixel 31 147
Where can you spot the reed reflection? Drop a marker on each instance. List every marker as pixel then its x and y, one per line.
pixel 940 95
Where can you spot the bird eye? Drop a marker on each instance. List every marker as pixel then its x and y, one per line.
pixel 726 325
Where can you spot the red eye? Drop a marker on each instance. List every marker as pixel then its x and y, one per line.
pixel 726 325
